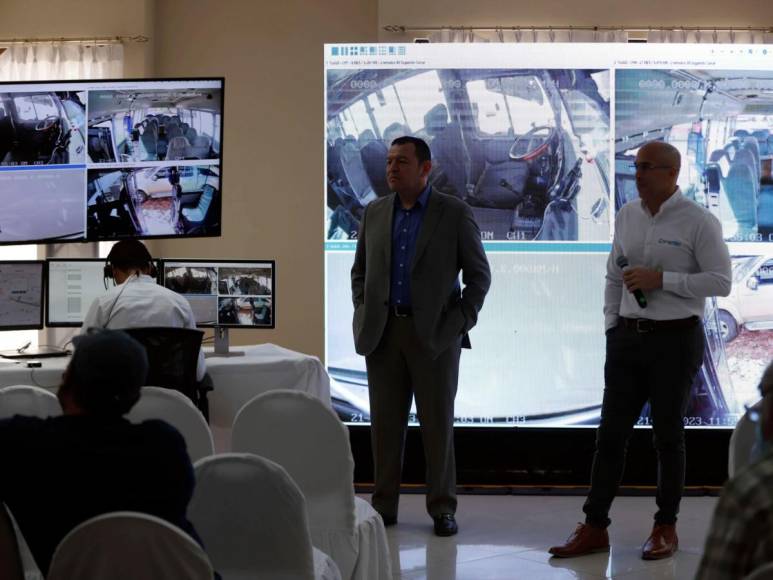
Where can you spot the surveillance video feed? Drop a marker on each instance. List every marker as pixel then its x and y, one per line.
pixel 104 160
pixel 527 149
pixel 42 128
pixel 721 122
pixel 523 134
pixel 146 201
pixel 225 293
pixel 21 295
pixel 134 125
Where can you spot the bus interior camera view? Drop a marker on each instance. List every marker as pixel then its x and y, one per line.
pixel 103 160
pixel 234 294
pixel 529 150
pixel 526 149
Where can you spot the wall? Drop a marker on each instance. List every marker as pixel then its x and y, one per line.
pixel 708 13
pixel 271 56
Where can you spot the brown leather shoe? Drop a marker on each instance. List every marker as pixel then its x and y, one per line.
pixel 662 542
pixel 585 539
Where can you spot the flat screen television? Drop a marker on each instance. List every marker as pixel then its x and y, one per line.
pixel 21 294
pixel 110 159
pixel 73 284
pixel 225 293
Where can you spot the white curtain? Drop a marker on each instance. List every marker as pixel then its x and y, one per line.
pixel 680 35
pixel 61 60
pixel 527 35
pixel 52 61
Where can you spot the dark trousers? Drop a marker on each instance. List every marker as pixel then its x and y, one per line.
pixel 658 367
pixel 398 370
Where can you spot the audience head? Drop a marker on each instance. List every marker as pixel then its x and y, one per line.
pixel 105 374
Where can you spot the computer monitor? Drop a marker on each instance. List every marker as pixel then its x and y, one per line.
pixel 21 294
pixel 225 293
pixel 73 284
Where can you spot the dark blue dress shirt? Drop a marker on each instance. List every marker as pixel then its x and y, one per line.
pixel 406 224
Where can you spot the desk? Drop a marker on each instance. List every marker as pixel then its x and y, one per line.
pixel 264 367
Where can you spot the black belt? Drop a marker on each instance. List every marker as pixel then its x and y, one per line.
pixel 401 311
pixel 644 325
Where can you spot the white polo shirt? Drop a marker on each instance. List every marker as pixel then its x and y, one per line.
pixel 684 241
pixel 141 302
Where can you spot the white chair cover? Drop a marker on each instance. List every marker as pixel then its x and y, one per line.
pixel 128 546
pixel 252 519
pixel 28 400
pixel 741 444
pixel 11 567
pixel 180 412
pixel 304 436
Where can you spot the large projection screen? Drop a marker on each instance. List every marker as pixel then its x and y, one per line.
pixel 539 140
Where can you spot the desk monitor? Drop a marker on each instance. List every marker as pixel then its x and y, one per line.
pixel 21 294
pixel 230 294
pixel 73 284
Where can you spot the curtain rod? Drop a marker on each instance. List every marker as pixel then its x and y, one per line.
pixel 403 28
pixel 80 39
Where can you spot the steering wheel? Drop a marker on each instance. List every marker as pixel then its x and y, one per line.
pixel 535 143
pixel 47 123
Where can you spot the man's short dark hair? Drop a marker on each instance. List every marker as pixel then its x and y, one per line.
pixel 420 145
pixel 129 254
pixel 106 372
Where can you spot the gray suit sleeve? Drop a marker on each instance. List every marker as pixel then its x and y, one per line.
pixel 476 275
pixel 358 268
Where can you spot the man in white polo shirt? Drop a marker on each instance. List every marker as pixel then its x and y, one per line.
pixel 668 256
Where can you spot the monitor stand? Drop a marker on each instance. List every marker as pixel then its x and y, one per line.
pixel 221 344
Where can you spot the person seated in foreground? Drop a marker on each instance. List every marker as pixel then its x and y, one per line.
pixel 60 471
pixel 740 538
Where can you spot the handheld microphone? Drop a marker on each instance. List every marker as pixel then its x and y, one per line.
pixel 641 300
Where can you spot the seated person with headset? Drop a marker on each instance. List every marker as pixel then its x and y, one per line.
pixel 137 300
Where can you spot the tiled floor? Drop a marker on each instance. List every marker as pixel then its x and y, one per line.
pixel 507 537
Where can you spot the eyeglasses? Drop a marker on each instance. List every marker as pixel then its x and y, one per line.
pixel 648 166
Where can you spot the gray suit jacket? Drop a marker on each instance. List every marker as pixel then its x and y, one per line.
pixel 448 241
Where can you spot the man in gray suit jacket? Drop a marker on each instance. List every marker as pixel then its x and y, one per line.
pixel 411 319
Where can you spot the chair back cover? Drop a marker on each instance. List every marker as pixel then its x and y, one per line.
pixel 128 546
pixel 305 437
pixel 177 410
pixel 28 400
pixel 252 518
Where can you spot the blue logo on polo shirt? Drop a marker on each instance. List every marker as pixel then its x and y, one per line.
pixel 670 242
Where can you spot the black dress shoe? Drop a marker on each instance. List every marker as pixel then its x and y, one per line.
pixel 445 525
pixel 388 520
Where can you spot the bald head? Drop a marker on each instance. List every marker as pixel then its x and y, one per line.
pixel 663 153
pixel 657 171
